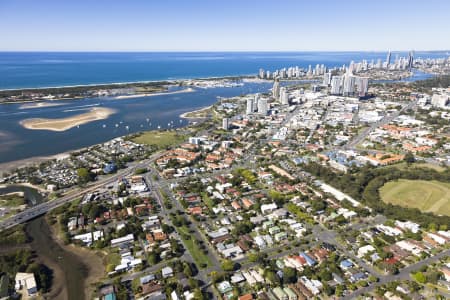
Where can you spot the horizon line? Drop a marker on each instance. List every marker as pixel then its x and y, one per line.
pixel 216 51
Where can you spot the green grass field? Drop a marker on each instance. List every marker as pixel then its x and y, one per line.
pixel 160 139
pixel 428 196
pixel 197 253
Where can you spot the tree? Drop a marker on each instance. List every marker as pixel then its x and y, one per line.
pixel 289 275
pixel 272 277
pixel 419 277
pixel 409 158
pixel 187 271
pixel 339 291
pixel 198 294
pixel 136 286
pixel 228 265
pixel 84 176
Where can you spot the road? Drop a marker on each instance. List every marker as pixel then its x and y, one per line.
pixel 40 209
pixel 386 120
pixel 404 274
pixel 160 185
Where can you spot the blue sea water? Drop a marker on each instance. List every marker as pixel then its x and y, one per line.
pixel 50 69
pixel 26 70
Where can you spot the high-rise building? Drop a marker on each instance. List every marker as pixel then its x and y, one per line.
pixel 225 123
pixel 284 96
pixel 263 107
pixel 261 73
pixel 388 59
pixel 410 59
pixel 362 86
pixel 336 83
pixel 250 107
pixel 349 85
pixel 276 89
pixel 326 79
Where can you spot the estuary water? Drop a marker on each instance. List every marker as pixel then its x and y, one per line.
pixel 132 115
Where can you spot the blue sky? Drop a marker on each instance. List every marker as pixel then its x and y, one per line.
pixel 231 25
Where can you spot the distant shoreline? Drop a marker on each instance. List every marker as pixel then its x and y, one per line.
pixel 73 92
pixel 188 90
pixel 100 85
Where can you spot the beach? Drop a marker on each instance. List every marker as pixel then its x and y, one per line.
pixel 196 114
pixel 63 124
pixel 188 90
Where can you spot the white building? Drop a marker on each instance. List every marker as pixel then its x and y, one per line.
pixel 267 208
pixel 250 107
pixel 262 107
pixel 439 100
pixel 26 283
pixel 122 240
pixel 225 123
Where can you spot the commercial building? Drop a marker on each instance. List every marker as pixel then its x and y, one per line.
pixel 250 107
pixel 262 106
pixel 225 123
pixel 276 89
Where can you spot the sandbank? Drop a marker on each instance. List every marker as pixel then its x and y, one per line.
pixel 39 105
pixel 63 124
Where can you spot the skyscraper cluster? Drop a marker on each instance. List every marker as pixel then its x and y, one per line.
pixel 400 63
pixel 257 104
pixel 347 85
pixel 293 72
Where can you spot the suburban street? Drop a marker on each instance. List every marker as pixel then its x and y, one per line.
pixel 386 120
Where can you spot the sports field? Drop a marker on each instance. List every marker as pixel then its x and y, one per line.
pixel 160 139
pixel 428 196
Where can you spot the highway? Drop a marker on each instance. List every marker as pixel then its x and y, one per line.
pixel 42 208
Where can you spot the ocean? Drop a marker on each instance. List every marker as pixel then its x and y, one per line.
pixel 30 70
pixel 50 69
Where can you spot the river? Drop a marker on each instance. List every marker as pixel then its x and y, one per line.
pixel 69 271
pixel 32 196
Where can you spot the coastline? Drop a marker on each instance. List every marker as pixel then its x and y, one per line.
pixel 63 124
pixel 102 85
pixel 6 167
pixel 186 114
pixel 188 90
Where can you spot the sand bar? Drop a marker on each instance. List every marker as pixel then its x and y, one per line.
pixel 39 105
pixel 188 90
pixel 63 124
